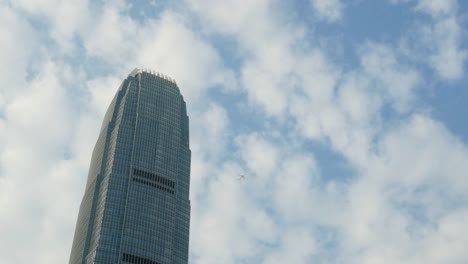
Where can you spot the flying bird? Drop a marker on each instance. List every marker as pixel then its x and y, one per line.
pixel 241 177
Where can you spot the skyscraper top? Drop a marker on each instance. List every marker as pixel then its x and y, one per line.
pixel 136 206
pixel 149 71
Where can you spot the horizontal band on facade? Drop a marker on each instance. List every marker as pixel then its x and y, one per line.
pixel 154 180
pixel 129 258
pixel 152 184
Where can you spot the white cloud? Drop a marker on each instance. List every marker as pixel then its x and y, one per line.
pixel 448 244
pixel 346 108
pixel 33 197
pixel 357 102
pixel 166 45
pixel 328 10
pixel 396 80
pixel 437 8
pixel 293 186
pixel 404 205
pixel 234 17
pixel 211 131
pixel 17 47
pixel 297 246
pixel 436 152
pixel 260 156
pixel 65 18
pixel 227 224
pixel 273 83
pixel 439 43
pixel 447 56
pixel 170 46
pixel 265 88
pixel 101 91
pixel 405 196
pixel 43 101
pixel 114 37
pixel 268 73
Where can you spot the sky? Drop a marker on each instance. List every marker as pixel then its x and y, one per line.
pixel 347 118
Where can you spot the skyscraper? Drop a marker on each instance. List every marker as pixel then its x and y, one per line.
pixel 136 206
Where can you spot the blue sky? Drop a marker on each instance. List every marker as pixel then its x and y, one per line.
pixel 347 118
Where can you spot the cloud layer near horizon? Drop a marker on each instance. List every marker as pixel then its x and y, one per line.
pixel 349 151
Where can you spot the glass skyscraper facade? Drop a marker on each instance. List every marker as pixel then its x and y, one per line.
pixel 136 206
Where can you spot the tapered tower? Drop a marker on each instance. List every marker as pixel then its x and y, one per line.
pixel 136 206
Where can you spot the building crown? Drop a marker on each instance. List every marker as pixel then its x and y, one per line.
pixel 152 72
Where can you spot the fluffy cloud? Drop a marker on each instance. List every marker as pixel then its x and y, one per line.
pixel 448 58
pixel 298 245
pixel 437 7
pixel 65 18
pixel 113 37
pixel 233 17
pixel 227 207
pixel 266 100
pixel 167 45
pixel 33 192
pixel 260 156
pixel 172 47
pixel 439 43
pixel 328 10
pixel 396 80
pixel 17 47
pixel 402 202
